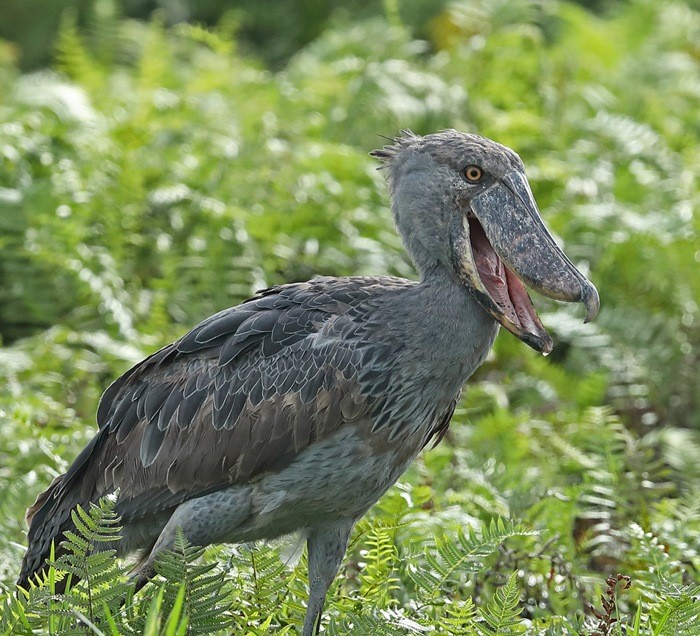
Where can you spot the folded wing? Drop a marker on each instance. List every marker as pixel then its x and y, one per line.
pixel 241 394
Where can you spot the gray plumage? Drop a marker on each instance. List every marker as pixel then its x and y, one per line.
pixel 299 408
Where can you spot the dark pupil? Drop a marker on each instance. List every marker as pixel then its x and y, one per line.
pixel 473 173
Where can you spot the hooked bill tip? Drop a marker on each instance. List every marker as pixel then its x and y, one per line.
pixel 547 347
pixel 590 298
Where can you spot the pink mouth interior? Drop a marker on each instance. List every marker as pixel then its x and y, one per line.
pixel 503 285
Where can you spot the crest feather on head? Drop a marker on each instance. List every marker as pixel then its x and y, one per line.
pixel 386 153
pixel 448 147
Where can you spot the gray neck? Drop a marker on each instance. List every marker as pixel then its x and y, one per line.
pixel 439 327
pixel 462 332
pixel 441 331
pixel 423 209
pixel 427 339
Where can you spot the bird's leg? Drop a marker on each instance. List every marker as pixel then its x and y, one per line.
pixel 327 546
pixel 205 520
pixel 143 570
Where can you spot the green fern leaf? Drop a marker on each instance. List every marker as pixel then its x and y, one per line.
pixel 451 559
pixel 261 578
pixel 501 616
pixel 203 606
pixel 88 559
pixel 72 58
pixel 678 614
pixel 459 619
pixel 378 581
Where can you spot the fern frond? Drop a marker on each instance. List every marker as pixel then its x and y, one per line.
pixel 450 559
pixel 262 578
pixel 203 605
pixel 389 622
pixel 103 30
pixel 659 572
pixel 99 585
pixel 459 619
pixel 678 614
pixel 501 616
pixel 72 58
pixel 23 614
pixel 89 559
pixel 378 580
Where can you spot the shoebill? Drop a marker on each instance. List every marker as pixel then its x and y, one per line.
pixel 297 409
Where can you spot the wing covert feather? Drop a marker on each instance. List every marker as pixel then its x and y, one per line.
pixel 241 394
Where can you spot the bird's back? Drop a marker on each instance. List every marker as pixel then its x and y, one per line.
pixel 293 377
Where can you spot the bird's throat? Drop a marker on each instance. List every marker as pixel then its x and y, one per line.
pixel 448 328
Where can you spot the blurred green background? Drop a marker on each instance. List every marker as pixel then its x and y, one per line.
pixel 161 160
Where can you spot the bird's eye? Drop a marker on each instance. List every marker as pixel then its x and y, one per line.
pixel 474 174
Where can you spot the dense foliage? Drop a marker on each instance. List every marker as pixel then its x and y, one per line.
pixel 155 175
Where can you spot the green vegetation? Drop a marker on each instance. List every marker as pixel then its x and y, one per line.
pixel 157 174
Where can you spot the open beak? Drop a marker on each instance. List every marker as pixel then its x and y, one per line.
pixel 503 241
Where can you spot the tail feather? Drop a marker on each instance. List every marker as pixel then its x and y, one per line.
pixel 50 515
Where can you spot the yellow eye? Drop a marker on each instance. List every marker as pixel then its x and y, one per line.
pixel 474 174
